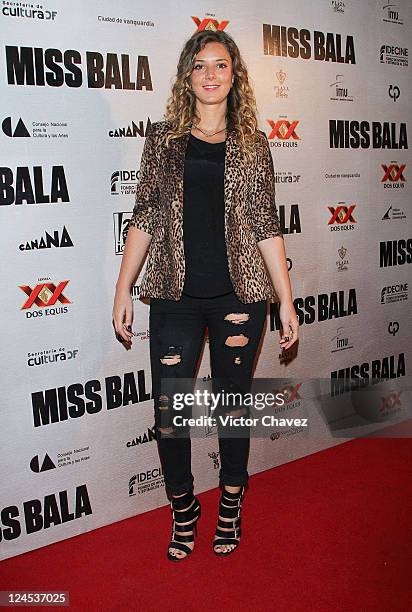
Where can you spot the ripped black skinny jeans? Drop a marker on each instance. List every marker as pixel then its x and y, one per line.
pixel 177 331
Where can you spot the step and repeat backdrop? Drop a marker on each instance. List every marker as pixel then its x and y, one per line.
pixel 80 85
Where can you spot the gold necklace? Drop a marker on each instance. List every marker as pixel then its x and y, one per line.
pixel 208 134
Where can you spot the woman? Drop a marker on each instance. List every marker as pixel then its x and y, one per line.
pixel 205 209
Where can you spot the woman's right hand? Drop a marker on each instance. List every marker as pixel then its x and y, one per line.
pixel 122 315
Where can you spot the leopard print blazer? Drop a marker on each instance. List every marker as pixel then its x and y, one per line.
pixel 250 215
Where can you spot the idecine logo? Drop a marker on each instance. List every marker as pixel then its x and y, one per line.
pixel 38 514
pixel 283 132
pixel 55 68
pixel 342 216
pixel 393 177
pixel 26 185
pixel 354 134
pixel 321 307
pixel 146 481
pixel 209 23
pixel 291 42
pixel 123 182
pixel 394 55
pixel 394 293
pixel 45 295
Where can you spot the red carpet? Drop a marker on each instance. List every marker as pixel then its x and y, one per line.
pixel 330 532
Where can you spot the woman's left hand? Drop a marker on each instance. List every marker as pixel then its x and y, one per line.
pixel 290 325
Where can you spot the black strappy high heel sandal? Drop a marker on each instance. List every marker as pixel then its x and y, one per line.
pixel 185 509
pixel 230 505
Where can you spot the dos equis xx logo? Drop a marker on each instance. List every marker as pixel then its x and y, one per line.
pixel 47 296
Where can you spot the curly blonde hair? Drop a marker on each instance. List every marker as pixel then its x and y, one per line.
pixel 241 115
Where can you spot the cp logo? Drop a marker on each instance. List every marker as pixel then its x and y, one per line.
pixel 393 327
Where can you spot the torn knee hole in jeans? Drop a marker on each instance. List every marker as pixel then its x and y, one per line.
pixel 166 430
pixel 163 402
pixel 241 411
pixel 240 340
pixel 237 317
pixel 173 356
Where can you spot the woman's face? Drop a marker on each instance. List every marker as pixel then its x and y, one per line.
pixel 211 76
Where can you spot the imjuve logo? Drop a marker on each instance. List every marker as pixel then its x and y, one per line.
pixel 393 176
pixel 54 68
pixel 390 14
pixel 339 90
pixel 342 217
pixel 37 514
pixel 345 134
pixel 321 307
pixel 395 252
pixel 148 436
pixel 20 131
pixel 57 240
pixel 281 90
pixel 45 296
pixel 121 226
pixel 394 55
pixel 394 293
pixel 26 185
pixel 294 43
pixel 340 341
pixel 284 133
pixel 25 10
pixel 394 92
pixel 143 482
pixel 132 131
pixel 209 23
pixel 123 182
pixel 343 261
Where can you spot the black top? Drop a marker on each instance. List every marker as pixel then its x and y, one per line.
pixel 207 273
